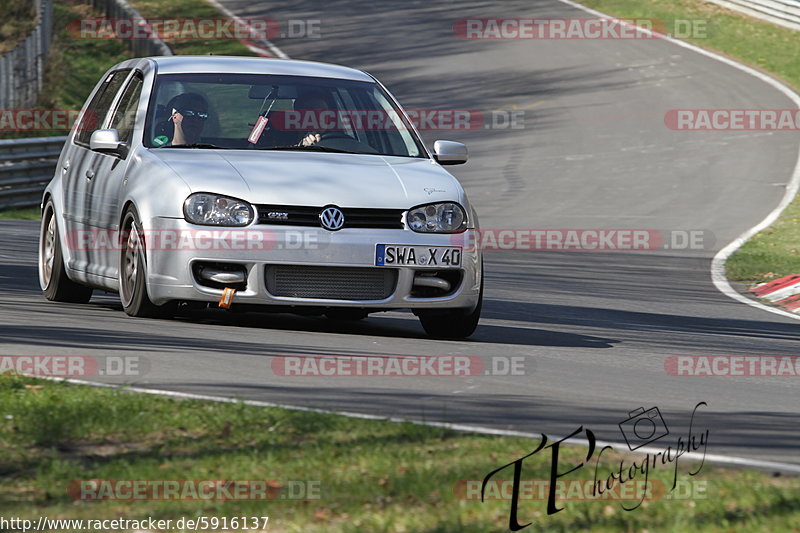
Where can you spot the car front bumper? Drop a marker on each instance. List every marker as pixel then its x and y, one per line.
pixel 174 246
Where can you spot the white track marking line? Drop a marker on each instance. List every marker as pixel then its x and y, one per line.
pixel 277 52
pixel 466 428
pixel 718 263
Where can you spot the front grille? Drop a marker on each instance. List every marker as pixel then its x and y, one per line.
pixel 331 283
pixel 354 217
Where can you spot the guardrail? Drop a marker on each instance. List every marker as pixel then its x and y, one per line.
pixel 783 12
pixel 120 9
pixel 22 69
pixel 26 166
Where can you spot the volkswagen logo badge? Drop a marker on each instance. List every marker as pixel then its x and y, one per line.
pixel 331 218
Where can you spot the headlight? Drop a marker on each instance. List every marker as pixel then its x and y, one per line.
pixel 446 217
pixel 214 210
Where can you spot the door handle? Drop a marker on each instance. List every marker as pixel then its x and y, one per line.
pixel 89 174
pixel 65 166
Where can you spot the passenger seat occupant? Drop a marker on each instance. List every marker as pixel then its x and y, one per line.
pixel 188 115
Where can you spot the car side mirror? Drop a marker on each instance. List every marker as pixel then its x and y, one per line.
pixel 107 142
pixel 450 153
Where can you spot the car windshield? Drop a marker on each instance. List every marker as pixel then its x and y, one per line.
pixel 267 112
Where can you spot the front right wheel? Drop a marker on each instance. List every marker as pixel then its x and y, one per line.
pixel 133 270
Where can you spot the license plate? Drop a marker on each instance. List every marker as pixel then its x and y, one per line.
pixel 420 256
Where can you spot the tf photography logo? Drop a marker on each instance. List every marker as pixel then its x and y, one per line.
pixel 640 428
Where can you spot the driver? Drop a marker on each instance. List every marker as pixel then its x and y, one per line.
pixel 188 115
pixel 314 101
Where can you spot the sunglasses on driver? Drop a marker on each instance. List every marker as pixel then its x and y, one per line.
pixel 189 113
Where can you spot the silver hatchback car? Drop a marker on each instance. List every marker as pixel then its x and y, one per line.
pixel 239 182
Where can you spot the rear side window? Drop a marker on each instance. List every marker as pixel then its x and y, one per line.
pixel 125 113
pixel 98 107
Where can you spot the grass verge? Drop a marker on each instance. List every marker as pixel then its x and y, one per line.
pixel 197 9
pixel 18 19
pixel 31 213
pixel 770 253
pixel 371 475
pixel 773 252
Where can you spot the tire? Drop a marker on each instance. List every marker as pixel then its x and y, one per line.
pixel 346 315
pixel 133 272
pixel 56 286
pixel 452 323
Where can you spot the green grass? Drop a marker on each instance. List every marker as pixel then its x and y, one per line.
pixel 17 19
pixel 773 252
pixel 178 9
pixel 74 65
pixel 372 475
pixel 31 213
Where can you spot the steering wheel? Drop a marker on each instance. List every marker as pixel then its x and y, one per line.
pixel 342 141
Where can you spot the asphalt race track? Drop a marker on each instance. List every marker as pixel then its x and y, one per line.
pixel 593 328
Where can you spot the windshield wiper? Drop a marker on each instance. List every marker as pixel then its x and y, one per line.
pixel 312 148
pixel 196 145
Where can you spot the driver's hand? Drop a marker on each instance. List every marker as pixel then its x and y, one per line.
pixel 310 139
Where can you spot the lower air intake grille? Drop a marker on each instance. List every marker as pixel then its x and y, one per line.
pixel 331 283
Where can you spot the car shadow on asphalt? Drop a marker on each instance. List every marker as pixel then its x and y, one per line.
pixel 524 323
pixel 395 326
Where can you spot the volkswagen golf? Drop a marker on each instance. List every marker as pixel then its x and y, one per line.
pixel 258 183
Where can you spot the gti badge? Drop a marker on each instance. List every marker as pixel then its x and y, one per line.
pixel 331 218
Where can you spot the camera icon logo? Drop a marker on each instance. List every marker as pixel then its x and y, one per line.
pixel 643 427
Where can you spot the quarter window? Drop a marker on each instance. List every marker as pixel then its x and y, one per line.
pixel 125 113
pixel 97 110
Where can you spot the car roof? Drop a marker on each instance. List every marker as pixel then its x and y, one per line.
pixel 255 65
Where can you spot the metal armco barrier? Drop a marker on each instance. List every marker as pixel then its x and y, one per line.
pixel 26 166
pixel 22 69
pixel 783 12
